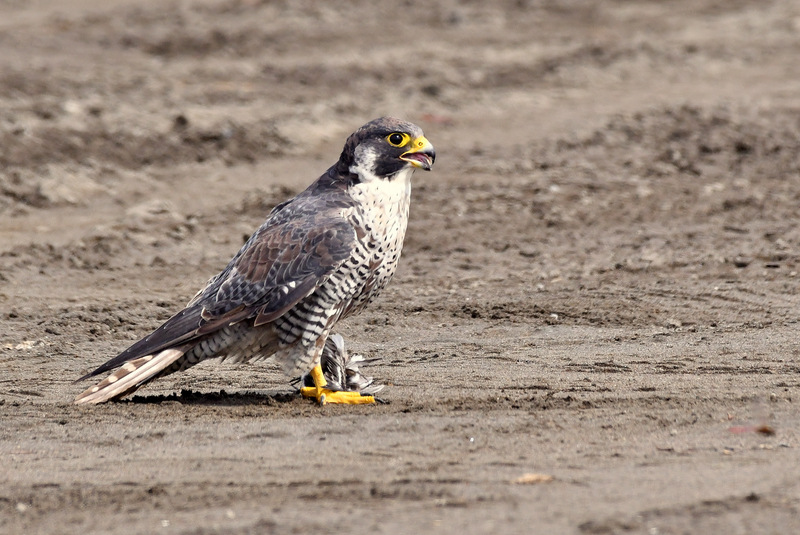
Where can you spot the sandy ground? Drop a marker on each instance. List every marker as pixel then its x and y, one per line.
pixel 593 329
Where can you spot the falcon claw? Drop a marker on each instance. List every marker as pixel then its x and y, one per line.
pixel 325 396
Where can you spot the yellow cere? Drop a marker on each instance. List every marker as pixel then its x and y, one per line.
pixel 420 142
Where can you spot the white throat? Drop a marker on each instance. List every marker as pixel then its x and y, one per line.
pixel 384 200
pixel 392 194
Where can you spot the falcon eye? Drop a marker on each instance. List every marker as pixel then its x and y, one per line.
pixel 397 139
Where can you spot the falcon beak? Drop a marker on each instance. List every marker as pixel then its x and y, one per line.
pixel 421 155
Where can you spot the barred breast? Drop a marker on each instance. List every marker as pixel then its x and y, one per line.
pixel 383 216
pixel 380 219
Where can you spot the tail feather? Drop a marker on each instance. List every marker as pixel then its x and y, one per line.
pixel 130 376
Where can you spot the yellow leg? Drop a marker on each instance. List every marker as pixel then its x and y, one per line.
pixel 324 395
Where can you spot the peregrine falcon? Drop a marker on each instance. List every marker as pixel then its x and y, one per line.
pixel 317 259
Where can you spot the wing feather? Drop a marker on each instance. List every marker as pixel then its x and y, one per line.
pixel 284 261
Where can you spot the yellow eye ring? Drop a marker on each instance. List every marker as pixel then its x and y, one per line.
pixel 397 139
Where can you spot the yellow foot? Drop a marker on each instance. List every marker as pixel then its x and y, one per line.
pixel 323 396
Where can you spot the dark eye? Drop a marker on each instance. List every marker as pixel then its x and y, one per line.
pixel 397 139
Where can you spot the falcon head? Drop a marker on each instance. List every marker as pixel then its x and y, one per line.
pixel 384 147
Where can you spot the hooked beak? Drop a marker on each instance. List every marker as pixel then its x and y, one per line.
pixel 421 154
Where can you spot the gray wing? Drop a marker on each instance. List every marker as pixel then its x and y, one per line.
pixel 291 255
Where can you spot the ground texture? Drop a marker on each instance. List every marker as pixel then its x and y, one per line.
pixel 593 329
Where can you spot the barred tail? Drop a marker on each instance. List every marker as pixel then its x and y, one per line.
pixel 130 376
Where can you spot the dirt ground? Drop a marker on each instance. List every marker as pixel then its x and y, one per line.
pixel 593 328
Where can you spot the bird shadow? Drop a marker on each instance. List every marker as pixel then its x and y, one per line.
pixel 221 398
